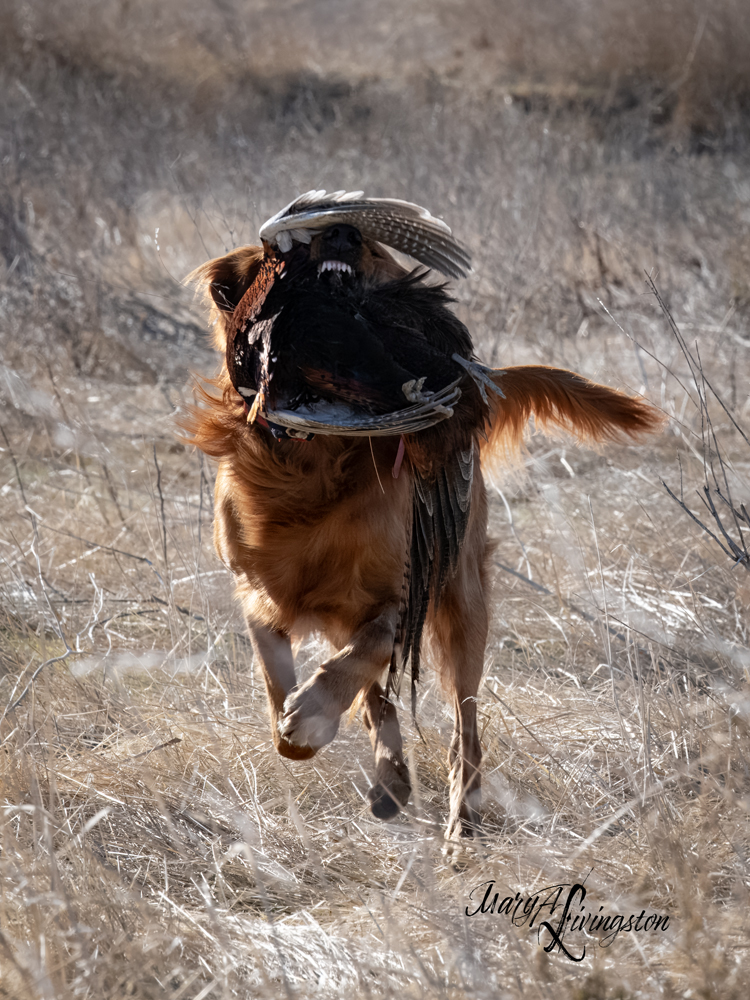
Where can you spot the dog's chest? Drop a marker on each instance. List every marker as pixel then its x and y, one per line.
pixel 319 539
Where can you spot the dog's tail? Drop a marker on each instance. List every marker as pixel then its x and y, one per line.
pixel 561 399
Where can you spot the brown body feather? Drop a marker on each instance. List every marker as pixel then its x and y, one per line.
pixel 316 534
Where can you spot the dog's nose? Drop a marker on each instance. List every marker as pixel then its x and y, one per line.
pixel 341 237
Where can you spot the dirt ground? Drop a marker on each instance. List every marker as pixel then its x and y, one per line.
pixel 153 843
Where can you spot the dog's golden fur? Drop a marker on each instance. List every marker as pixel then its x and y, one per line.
pixel 316 534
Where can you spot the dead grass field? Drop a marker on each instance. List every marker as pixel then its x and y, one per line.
pixel 153 845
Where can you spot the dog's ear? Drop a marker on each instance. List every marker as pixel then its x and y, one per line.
pixel 226 279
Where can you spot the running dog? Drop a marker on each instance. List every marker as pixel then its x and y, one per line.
pixel 349 421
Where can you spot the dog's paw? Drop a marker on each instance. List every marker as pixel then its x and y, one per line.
pixel 465 845
pixel 309 719
pixel 391 790
pixel 290 751
pixel 385 802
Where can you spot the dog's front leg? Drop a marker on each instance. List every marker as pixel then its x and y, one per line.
pixel 311 713
pixel 273 652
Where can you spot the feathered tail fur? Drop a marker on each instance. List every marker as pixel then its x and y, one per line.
pixel 558 398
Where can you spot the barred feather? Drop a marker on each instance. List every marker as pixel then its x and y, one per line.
pixel 399 224
pixel 440 517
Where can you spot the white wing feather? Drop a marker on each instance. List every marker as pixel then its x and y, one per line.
pixel 340 420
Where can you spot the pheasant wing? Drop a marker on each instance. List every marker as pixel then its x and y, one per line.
pixel 399 224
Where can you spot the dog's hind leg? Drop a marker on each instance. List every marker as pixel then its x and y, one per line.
pixel 273 652
pixel 460 625
pixel 461 632
pixel 392 787
pixel 312 712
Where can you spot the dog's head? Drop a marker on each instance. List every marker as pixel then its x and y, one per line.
pixel 333 238
pixel 336 255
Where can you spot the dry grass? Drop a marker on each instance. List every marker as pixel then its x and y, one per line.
pixel 153 844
